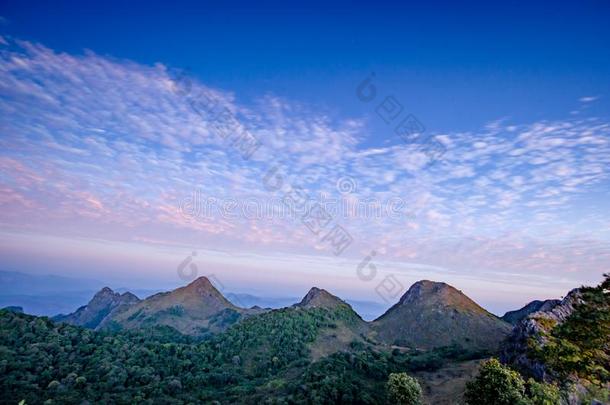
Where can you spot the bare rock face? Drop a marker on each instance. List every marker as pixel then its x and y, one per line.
pixel 533 327
pixel 513 317
pixel 432 314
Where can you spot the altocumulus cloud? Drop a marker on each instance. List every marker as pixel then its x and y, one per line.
pixel 92 145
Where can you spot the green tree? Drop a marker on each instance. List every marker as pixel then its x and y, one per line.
pixel 496 384
pixel 581 344
pixel 404 389
pixel 542 394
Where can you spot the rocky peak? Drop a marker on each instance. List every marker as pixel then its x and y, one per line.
pixel 128 297
pixel 431 293
pixel 106 294
pixel 106 291
pixel 189 309
pixel 319 298
pixel 201 288
pixel 107 297
pixel 200 284
pixel 516 347
pixel 423 289
pixel 514 317
pixel 103 303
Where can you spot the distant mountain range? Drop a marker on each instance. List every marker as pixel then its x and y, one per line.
pixel 429 315
pixel 17 283
pixel 49 295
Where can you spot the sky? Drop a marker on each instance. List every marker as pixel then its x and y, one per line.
pixel 265 145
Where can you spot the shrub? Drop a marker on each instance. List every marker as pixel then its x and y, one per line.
pixel 403 389
pixel 495 384
pixel 542 394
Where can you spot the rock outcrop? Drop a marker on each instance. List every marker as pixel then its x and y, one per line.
pixel 513 317
pixel 531 330
pixel 104 305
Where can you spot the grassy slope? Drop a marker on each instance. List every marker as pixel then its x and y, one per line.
pixel 444 316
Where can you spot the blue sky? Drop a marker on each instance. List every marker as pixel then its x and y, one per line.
pixel 455 65
pixel 100 151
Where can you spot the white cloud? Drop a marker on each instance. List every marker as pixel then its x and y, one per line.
pixel 588 99
pixel 104 146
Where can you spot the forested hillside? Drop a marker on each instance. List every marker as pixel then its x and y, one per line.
pixel 267 356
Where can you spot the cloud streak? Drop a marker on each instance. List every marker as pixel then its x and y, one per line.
pixel 106 148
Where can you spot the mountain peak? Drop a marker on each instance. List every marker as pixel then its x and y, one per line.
pixel 432 314
pixel 189 309
pixel 435 293
pixel 200 287
pixel 515 316
pixel 129 296
pixel 200 282
pixel 105 291
pixel 430 286
pixel 104 295
pixel 319 298
pixel 103 304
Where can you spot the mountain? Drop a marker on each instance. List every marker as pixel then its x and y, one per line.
pixel 516 349
pixel 432 314
pixel 368 310
pixel 267 356
pixel 319 298
pixel 513 317
pixel 16 309
pixel 349 326
pixel 568 344
pixel 103 306
pixel 316 351
pixel 195 309
pixel 429 315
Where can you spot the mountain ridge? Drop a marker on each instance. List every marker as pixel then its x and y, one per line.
pixel 440 313
pixel 513 317
pixel 104 304
pixel 195 309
